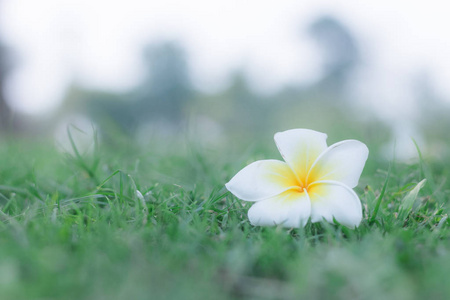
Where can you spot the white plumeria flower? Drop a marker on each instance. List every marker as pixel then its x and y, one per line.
pixel 315 181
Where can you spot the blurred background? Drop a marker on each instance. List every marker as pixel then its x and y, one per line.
pixel 227 72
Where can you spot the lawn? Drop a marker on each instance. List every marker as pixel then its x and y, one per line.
pixel 155 222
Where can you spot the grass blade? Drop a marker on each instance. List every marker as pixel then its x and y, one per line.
pixel 408 202
pixel 380 198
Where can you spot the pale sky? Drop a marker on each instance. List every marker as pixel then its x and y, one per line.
pixel 98 42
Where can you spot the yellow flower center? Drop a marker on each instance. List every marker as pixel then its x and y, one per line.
pixel 305 181
pixel 305 184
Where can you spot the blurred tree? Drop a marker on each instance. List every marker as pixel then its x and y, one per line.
pixel 5 111
pixel 249 110
pixel 238 109
pixel 161 98
pixel 167 84
pixel 340 52
pixel 239 90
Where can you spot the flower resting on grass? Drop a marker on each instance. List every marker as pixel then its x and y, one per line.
pixel 314 181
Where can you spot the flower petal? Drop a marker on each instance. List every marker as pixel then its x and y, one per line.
pixel 300 148
pixel 333 199
pixel 290 209
pixel 261 180
pixel 343 162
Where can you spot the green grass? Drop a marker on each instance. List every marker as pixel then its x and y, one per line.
pixel 157 223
